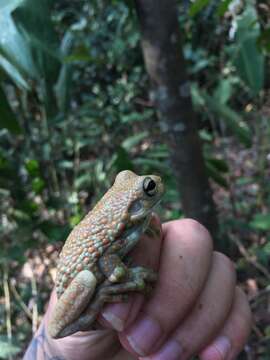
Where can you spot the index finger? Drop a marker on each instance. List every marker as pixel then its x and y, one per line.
pixel 185 262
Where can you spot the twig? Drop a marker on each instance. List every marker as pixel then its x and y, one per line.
pixel 7 305
pixel 48 138
pixel 20 301
pixel 146 103
pixel 264 340
pixel 257 331
pixel 261 293
pixel 249 258
pixel 35 309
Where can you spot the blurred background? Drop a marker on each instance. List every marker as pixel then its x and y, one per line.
pixel 78 104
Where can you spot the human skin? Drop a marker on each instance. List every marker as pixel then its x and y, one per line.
pixel 195 308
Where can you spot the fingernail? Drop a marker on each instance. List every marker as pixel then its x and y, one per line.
pixel 143 335
pixel 170 351
pixel 219 349
pixel 115 315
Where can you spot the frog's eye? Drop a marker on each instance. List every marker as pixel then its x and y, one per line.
pixel 149 186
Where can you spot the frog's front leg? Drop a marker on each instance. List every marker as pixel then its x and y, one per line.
pixel 116 271
pixel 72 302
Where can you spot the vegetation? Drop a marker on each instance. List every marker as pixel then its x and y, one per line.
pixel 75 109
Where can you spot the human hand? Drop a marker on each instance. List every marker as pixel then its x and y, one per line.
pixel 195 308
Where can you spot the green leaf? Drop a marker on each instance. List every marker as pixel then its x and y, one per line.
pixel 215 174
pixel 158 152
pixel 34 22
pixel 219 164
pixel 266 248
pixel 66 164
pixel 7 348
pixel 134 140
pixel 32 167
pixel 38 185
pixel 29 46
pixel 248 60
pixel 63 86
pixel 263 40
pixel 13 47
pixel 137 116
pixel 261 222
pixel 205 135
pixel 75 219
pixel 7 117
pixel 54 232
pixel 196 96
pixel 20 215
pixel 6 3
pixel 224 90
pixel 13 73
pixel 242 181
pixel 197 6
pixel 122 160
pixel 83 181
pixel 223 7
pixel 152 164
pixel 233 120
pixel 80 53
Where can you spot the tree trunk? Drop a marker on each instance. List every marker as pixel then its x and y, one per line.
pixel 162 50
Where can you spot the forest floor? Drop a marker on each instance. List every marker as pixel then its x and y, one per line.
pixel 250 249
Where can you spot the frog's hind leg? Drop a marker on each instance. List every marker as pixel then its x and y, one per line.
pixel 109 293
pixel 72 302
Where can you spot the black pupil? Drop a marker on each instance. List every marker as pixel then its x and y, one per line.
pixel 150 186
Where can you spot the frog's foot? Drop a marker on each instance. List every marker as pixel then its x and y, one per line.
pixel 139 279
pixel 72 302
pixel 139 276
pixel 113 268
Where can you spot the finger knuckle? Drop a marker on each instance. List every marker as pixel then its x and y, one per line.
pixel 196 229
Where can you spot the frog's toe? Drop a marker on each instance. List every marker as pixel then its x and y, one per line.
pixel 150 276
pixel 144 273
pixel 118 274
pixel 116 298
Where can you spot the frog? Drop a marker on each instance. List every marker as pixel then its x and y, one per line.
pixel 94 266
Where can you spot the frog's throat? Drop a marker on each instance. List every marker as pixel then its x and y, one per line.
pixel 139 228
pixel 141 215
pixel 134 233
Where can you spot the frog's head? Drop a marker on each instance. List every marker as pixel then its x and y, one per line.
pixel 143 193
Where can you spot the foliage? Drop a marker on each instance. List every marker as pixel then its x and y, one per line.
pixel 261 222
pixel 75 111
pixel 7 349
